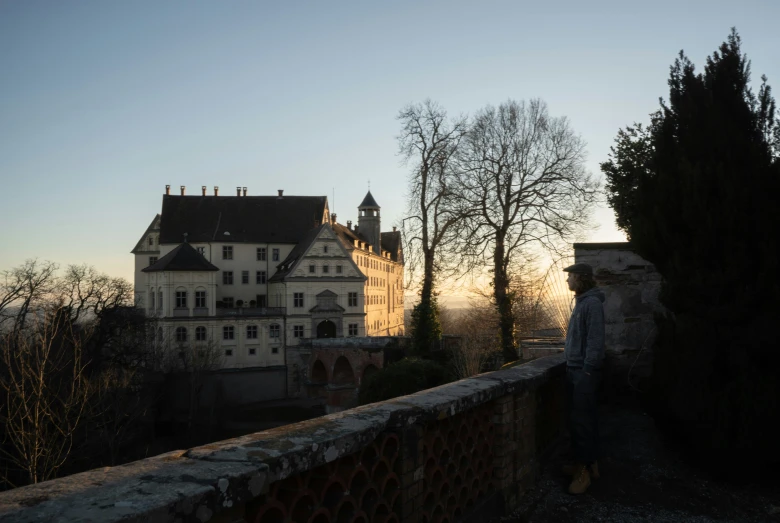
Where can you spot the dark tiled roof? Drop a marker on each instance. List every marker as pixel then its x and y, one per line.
pixel 369 201
pixel 391 241
pixel 183 258
pixel 250 219
pixel 347 236
pixel 286 266
pixel 140 246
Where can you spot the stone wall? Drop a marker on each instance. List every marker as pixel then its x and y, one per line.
pixel 462 451
pixel 631 285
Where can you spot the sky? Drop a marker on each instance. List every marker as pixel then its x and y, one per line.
pixel 104 103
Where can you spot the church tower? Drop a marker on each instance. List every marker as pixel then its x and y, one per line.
pixel 368 221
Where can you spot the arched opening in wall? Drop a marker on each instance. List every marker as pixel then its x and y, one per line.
pixel 368 371
pixel 326 329
pixel 342 372
pixel 318 372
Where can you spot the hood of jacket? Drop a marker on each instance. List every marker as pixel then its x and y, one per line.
pixel 594 292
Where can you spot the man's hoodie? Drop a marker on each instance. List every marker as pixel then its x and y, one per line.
pixel 585 336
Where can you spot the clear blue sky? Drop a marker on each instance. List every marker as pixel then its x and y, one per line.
pixel 103 103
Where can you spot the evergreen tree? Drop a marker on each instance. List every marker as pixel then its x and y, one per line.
pixel 695 192
pixel 425 326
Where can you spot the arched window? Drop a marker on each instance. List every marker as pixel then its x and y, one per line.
pixel 200 333
pixel 160 299
pixel 200 297
pixel 181 334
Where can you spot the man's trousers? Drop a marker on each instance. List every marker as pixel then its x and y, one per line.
pixel 582 413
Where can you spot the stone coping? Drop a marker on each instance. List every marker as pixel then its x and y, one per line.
pixel 623 246
pixel 195 484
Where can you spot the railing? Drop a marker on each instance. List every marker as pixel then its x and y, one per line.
pixel 251 311
pixel 466 449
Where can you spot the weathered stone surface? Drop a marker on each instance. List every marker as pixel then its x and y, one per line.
pixel 631 285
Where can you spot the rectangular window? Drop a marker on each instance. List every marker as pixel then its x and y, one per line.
pixel 151 299
pixel 251 332
pixel 297 299
pixel 312 269
pixel 200 298
pixel 275 350
pixel 227 277
pixel 252 352
pixel 353 329
pixel 352 299
pixel 325 269
pixel 262 301
pixel 227 252
pixel 151 240
pixel 200 333
pixel 181 299
pixel 261 254
pixel 260 277
pixel 297 331
pixel 201 251
pixel 228 332
pixel 273 330
pixel 228 352
pixel 338 269
pixel 227 302
pixel 274 254
pixel 244 277
pixel 152 260
pixel 325 249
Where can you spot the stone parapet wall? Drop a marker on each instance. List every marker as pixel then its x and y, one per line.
pixel 455 452
pixel 632 286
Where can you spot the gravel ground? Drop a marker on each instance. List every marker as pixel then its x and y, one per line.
pixel 641 480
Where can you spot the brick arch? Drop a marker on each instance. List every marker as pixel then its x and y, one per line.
pixel 368 371
pixel 342 372
pixel 319 374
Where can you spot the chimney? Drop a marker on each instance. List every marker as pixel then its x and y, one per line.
pixel 238 191
pixel 281 193
pixel 203 189
pixel 393 228
pixel 356 228
pixel 216 190
pixel 333 217
pixel 349 224
pixel 244 188
pixel 167 189
pixel 182 190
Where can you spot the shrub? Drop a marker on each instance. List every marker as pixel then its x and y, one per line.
pixel 404 377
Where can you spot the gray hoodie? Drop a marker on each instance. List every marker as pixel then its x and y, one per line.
pixel 585 336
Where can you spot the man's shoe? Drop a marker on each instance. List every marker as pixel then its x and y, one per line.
pixel 581 480
pixel 571 468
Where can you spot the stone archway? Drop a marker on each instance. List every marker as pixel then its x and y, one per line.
pixel 342 372
pixel 326 329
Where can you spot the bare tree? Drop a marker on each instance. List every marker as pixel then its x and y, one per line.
pixel 475 327
pixel 22 290
pixel 59 343
pixel 47 394
pixel 523 173
pixel 428 142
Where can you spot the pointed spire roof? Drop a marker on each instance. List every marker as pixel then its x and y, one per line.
pixel 369 201
pixel 182 258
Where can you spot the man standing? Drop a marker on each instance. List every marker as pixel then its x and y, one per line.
pixel 584 352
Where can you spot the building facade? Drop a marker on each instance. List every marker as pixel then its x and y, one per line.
pixel 246 276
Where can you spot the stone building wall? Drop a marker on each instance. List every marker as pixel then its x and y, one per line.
pixel 631 285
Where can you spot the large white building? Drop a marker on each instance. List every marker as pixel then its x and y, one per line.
pixel 252 275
